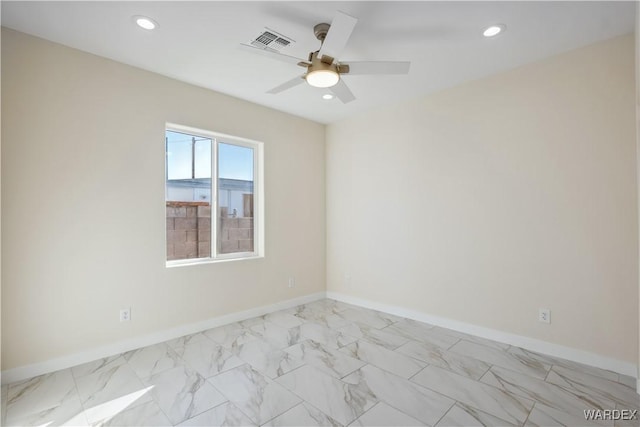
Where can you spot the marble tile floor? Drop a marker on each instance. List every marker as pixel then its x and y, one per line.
pixel 325 363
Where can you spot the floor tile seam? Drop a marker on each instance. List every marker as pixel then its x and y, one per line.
pixel 370 341
pixel 363 325
pixel 517 373
pixel 199 413
pixel 413 338
pixel 620 377
pixel 426 388
pixel 562 410
pixel 422 340
pixel 279 326
pixel 458 335
pixel 287 410
pixel 412 416
pixel 75 386
pixel 367 325
pixel 451 346
pixel 535 401
pixel 396 321
pixel 590 375
pixel 571 389
pixel 206 337
pixel 293 392
pixel 529 414
pixel 512 395
pixel 455 402
pixel 75 377
pixel 339 303
pixel 260 370
pixel 330 352
pixel 573 392
pixel 142 379
pixel 505 351
pixel 621 407
pixel 361 415
pixel 449 370
pixel 485 373
pixel 153 399
pixel 552 361
pixel 423 386
pixel 343 383
pixel 367 362
pixel 229 401
pixel 419 360
pixel 189 366
pixel 413 376
pixel 357 369
pixel 304 401
pixel 451 352
pixel 293 370
pixel 409 356
pixel 493 363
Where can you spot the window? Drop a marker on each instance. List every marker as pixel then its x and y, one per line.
pixel 213 195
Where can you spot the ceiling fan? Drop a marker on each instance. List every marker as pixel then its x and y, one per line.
pixel 323 67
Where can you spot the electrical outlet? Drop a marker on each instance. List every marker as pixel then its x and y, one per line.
pixel 544 315
pixel 125 314
pixel 292 282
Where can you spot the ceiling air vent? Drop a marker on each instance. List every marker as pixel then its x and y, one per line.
pixel 269 39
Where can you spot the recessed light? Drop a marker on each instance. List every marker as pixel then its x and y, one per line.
pixel 144 22
pixel 327 96
pixel 494 30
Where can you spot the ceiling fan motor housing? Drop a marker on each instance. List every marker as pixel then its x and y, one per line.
pixel 321 31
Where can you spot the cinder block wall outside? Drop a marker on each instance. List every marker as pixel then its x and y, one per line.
pixel 236 234
pixel 189 231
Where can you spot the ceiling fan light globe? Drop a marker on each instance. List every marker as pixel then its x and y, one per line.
pixel 322 78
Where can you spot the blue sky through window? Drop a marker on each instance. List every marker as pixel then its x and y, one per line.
pixel 234 162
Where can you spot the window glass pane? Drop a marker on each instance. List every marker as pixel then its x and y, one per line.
pixel 203 158
pixel 178 155
pixel 235 198
pixel 188 196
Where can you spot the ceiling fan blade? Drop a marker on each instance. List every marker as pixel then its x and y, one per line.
pixel 341 28
pixel 287 85
pixel 378 67
pixel 271 54
pixel 342 91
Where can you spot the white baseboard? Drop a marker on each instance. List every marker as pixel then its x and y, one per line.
pixel 29 371
pixel 557 350
pixel 533 344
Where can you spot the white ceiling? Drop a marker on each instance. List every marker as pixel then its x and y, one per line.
pixel 196 42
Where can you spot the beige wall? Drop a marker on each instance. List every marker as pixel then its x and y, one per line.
pixel 83 172
pixel 480 203
pixel 484 202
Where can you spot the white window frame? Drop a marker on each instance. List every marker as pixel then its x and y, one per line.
pixel 258 196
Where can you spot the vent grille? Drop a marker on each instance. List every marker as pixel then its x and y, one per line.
pixel 270 39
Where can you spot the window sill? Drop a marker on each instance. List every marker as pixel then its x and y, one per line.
pixel 200 261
